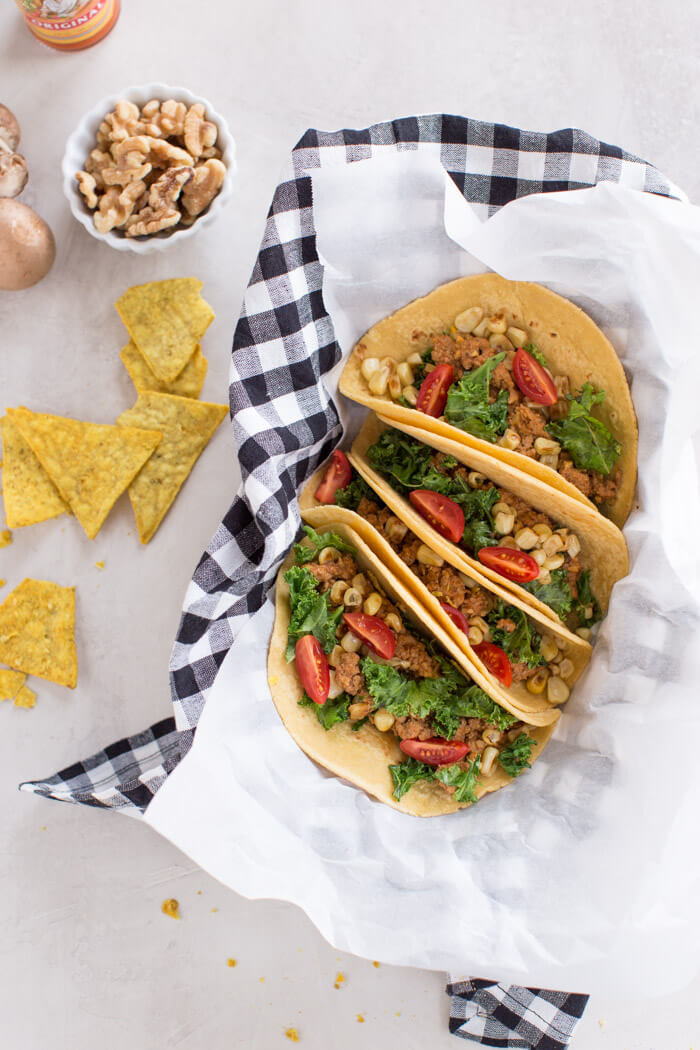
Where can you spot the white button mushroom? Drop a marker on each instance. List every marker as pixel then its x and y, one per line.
pixel 27 247
pixel 13 167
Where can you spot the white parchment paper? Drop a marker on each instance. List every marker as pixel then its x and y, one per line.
pixel 584 874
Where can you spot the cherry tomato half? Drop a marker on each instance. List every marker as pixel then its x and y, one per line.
pixel 446 516
pixel 458 618
pixel 432 396
pixel 435 752
pixel 514 565
pixel 495 661
pixel 534 380
pixel 373 632
pixel 338 475
pixel 313 668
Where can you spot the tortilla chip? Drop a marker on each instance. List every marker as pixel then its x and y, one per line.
pixel 10 683
pixel 186 426
pixel 37 631
pixel 26 697
pixel 30 495
pixel 90 464
pixel 188 384
pixel 166 320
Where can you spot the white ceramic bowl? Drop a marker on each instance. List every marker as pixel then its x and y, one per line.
pixel 83 140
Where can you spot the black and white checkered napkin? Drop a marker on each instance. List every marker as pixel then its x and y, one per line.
pixel 285 426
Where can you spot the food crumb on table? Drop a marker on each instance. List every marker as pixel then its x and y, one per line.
pixel 232 962
pixel 375 964
pixel 292 1034
pixel 360 1019
pixel 339 979
pixel 26 698
pixel 99 565
pixel 171 907
pixel 2 583
pixel 5 538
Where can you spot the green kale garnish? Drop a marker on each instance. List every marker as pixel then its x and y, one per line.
pixel 409 772
pixel 407 464
pixel 318 541
pixel 406 774
pixel 354 492
pixel 419 373
pixel 522 645
pixel 332 712
pixel 516 757
pixel 587 440
pixel 535 352
pixel 556 594
pixel 468 405
pixel 310 611
pixel 585 599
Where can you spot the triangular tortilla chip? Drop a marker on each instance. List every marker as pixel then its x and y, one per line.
pixel 89 463
pixel 166 320
pixel 186 426
pixel 26 697
pixel 10 683
pixel 29 493
pixel 188 384
pixel 37 631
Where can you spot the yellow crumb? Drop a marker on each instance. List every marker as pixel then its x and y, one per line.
pixel 232 962
pixel 199 893
pixel 171 907
pixel 360 1019
pixel 214 909
pixel 601 1023
pixel 26 697
pixel 5 538
pixel 292 1034
pixel 398 1013
pixel 99 565
pixel 43 827
pixel 2 583
pixel 339 979
pixel 261 980
pixel 375 964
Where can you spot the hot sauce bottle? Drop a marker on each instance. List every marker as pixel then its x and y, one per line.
pixel 69 25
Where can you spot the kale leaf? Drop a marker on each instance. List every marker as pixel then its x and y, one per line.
pixel 319 541
pixel 516 757
pixel 556 594
pixel 585 599
pixel 535 352
pixel 407 463
pixel 332 712
pixel 478 520
pixel 521 645
pixel 468 406
pixel 310 611
pixel 587 440
pixel 464 780
pixel 407 773
pixel 353 493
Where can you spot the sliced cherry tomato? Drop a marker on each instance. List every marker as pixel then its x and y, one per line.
pixel 534 380
pixel 514 565
pixel 458 618
pixel 338 475
pixel 432 396
pixel 446 516
pixel 313 668
pixel 435 752
pixel 496 661
pixel 373 632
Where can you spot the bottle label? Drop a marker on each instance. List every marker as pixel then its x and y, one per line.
pixel 69 24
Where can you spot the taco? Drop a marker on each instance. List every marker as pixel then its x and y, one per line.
pixel 376 693
pixel 512 369
pixel 483 517
pixel 531 662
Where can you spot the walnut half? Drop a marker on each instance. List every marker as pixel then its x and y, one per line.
pixel 203 187
pixel 161 212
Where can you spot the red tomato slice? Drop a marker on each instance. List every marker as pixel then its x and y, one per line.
pixel 373 632
pixel 313 668
pixel 534 380
pixel 514 565
pixel 458 618
pixel 337 476
pixel 446 516
pixel 432 396
pixel 496 661
pixel 435 752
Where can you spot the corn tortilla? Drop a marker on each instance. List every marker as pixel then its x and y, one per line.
pixel 363 757
pixel 10 683
pixel 37 631
pixel 186 426
pixel 188 384
pixel 571 342
pixel 603 547
pixel 166 320
pixel 30 495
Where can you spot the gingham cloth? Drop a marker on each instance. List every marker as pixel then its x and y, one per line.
pixel 285 426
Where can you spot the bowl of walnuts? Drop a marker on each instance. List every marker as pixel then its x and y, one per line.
pixel 148 167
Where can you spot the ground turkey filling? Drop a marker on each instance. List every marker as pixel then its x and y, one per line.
pixel 411 656
pixel 445 583
pixel 466 352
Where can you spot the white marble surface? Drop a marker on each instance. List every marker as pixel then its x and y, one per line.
pixel 86 957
